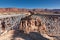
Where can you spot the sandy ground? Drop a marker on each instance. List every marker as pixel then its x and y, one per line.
pixel 14 35
pixel 7 36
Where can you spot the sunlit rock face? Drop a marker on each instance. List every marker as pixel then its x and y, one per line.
pixel 49 25
pixel 30 24
pixel 52 25
pixel 10 22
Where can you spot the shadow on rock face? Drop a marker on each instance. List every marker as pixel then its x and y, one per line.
pixel 20 35
pixel 37 36
pixel 31 36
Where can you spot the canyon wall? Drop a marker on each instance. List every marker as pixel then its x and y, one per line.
pixel 47 26
pixel 10 22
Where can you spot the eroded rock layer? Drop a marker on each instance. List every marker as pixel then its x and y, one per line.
pixel 45 25
pixel 8 22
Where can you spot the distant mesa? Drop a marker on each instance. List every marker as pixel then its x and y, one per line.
pixel 32 11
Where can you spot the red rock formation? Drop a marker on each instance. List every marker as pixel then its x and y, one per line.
pixel 29 24
pixel 19 10
pixel 32 25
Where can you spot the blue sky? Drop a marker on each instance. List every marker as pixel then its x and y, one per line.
pixel 50 4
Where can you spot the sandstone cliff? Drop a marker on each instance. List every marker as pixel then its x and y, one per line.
pixel 47 26
pixel 32 27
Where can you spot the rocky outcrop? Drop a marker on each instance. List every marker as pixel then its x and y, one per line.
pixel 30 24
pixel 36 27
pixel 47 26
pixel 9 22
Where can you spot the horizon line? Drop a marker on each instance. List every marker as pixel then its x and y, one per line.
pixel 29 8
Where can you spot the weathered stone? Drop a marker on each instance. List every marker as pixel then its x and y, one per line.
pixel 46 25
pixel 10 22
